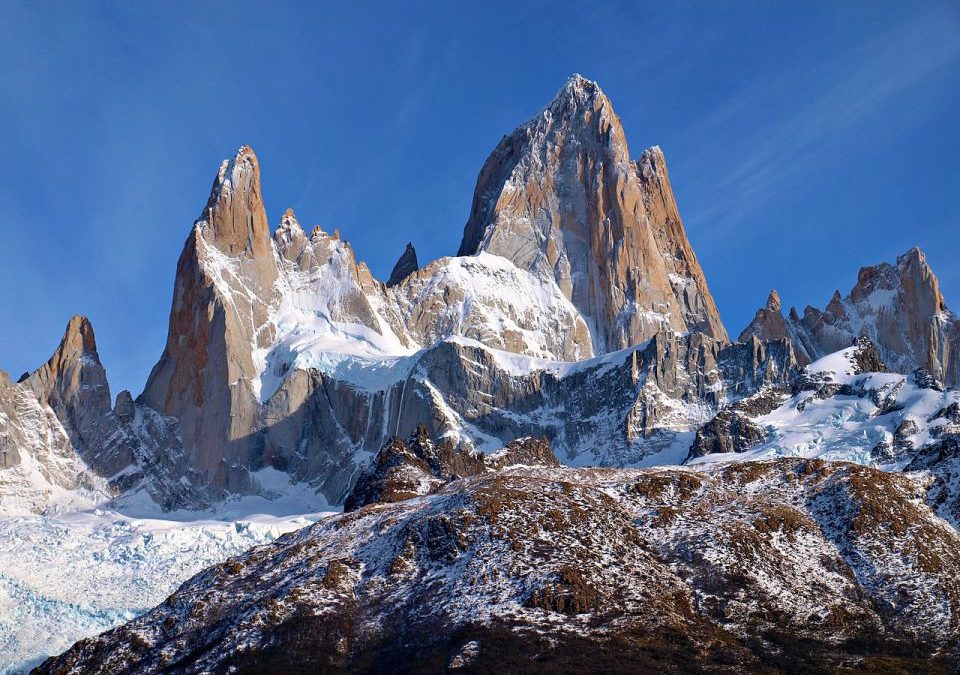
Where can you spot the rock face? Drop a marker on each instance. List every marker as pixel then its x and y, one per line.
pixel 406 265
pixel 207 377
pixel 561 197
pixel 284 351
pixel 769 324
pixel 899 307
pixel 40 470
pixel 727 432
pixel 419 466
pixel 275 343
pixel 753 567
pixel 488 299
pixel 845 406
pixel 614 410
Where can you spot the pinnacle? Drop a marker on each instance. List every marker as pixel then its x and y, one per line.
pixel 914 254
pixel 289 221
pixel 577 86
pixel 773 301
pixel 81 327
pixel 406 265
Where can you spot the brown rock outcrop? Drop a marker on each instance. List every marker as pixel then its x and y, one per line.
pixel 769 323
pixel 420 465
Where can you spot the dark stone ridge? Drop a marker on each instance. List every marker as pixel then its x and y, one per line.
pixel 406 265
pixel 727 432
pixel 867 357
pixel 925 380
pixel 419 466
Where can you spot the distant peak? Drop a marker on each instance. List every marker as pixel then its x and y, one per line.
pixel 578 81
pixel 652 164
pixel 241 172
pixel 913 255
pixel 289 235
pixel 654 151
pixel 244 161
pixel 773 301
pixel 234 219
pixel 406 265
pixel 288 221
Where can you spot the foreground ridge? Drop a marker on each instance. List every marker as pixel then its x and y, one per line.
pixel 747 567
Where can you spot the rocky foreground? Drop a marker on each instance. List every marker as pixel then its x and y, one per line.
pixel 790 565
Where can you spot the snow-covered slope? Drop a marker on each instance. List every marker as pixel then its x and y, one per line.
pixel 840 410
pixel 39 468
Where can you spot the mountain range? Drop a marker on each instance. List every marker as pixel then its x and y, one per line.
pixel 575 312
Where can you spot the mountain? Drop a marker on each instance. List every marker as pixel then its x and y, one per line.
pixel 39 468
pixel 561 197
pixel 844 406
pixel 752 567
pixel 223 286
pixel 489 422
pixel 284 351
pixel 899 307
pixel 575 311
pixel 64 445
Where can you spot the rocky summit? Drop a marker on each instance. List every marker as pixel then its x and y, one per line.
pixel 548 453
pixel 561 197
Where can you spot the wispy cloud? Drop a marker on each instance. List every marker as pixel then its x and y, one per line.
pixel 833 96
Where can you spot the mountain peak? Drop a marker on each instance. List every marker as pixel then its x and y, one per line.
pixel 406 265
pixel 768 323
pixel 915 254
pixel 237 172
pixel 579 86
pixel 773 301
pixel 234 219
pixel 73 382
pixel 560 197
pixel 80 333
pixel 289 222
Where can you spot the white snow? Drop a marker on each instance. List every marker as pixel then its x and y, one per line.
pixel 846 426
pixel 72 575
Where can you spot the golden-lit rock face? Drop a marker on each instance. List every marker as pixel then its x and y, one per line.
pixel 561 196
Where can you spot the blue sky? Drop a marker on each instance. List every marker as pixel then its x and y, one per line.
pixel 803 139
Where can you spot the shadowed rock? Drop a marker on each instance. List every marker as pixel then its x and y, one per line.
pixel 419 466
pixel 406 265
